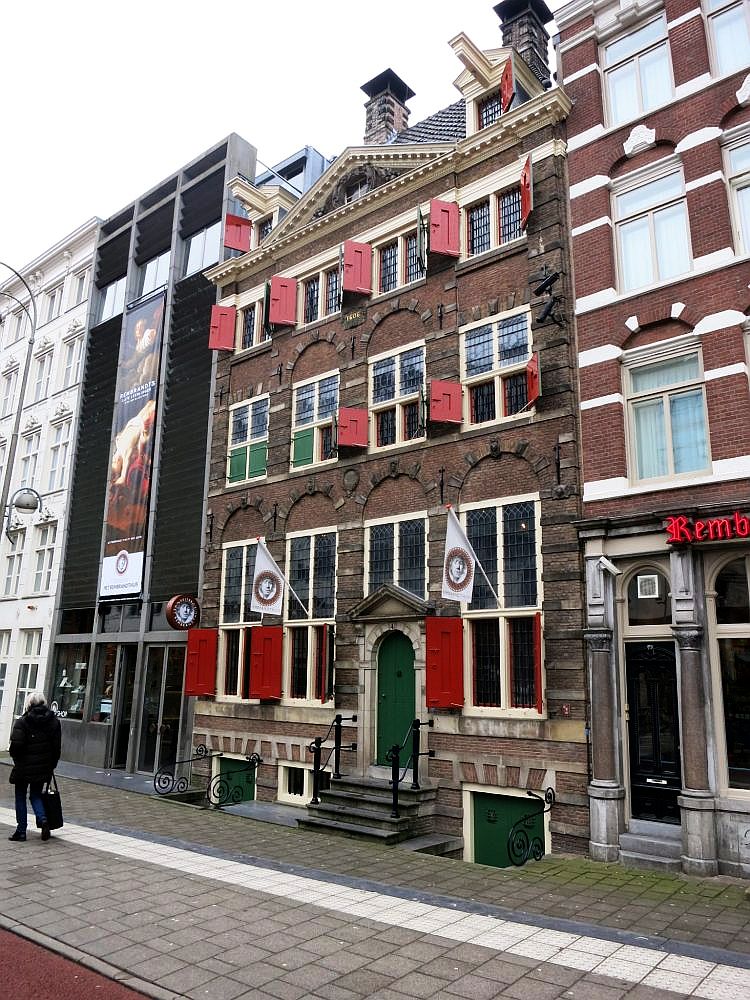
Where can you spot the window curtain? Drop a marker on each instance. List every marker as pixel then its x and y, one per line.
pixel 650 439
pixel 689 446
pixel 672 241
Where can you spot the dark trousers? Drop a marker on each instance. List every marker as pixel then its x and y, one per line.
pixel 34 789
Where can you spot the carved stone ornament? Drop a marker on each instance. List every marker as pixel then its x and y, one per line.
pixel 62 412
pixel 31 426
pixel 44 345
pixel 11 365
pixel 351 480
pixel 366 175
pixel 688 638
pixel 45 515
pixel 599 641
pixel 743 94
pixel 75 327
pixel 640 139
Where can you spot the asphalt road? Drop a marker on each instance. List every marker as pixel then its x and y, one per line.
pixel 29 971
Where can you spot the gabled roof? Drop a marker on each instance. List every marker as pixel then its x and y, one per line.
pixel 448 125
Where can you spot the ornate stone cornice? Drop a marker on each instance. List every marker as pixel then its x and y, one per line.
pixel 598 640
pixel 688 636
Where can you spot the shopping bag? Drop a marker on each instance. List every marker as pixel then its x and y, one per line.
pixel 52 804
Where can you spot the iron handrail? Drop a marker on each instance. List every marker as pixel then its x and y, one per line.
pixel 316 749
pixel 394 756
pixel 221 791
pixel 166 780
pixel 521 846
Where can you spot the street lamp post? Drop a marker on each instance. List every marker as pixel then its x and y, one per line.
pixel 21 499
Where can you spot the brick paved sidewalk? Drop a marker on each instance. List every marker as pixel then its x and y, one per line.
pixel 709 912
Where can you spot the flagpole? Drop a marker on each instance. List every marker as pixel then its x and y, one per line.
pixel 260 542
pixel 476 557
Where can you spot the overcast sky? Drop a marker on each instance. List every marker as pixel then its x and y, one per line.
pixel 100 101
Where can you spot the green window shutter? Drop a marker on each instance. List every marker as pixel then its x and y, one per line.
pixel 237 465
pixel 258 454
pixel 302 447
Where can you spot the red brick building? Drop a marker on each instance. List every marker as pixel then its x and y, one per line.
pixel 659 162
pixel 401 340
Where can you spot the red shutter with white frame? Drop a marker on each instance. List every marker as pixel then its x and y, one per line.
pixel 444 662
pixel 283 307
pixel 221 330
pixel 266 643
pixel 445 402
pixel 357 277
pixel 527 192
pixel 533 381
pixel 538 662
pixel 444 228
pixel 237 231
pixel 200 662
pixel 352 427
pixel 507 85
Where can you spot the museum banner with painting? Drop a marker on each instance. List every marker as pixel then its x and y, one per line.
pixel 131 455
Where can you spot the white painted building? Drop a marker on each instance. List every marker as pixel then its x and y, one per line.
pixel 37 434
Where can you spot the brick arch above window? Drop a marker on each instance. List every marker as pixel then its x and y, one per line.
pixel 242 521
pixel 521 469
pixel 654 323
pixel 397 490
pixel 732 113
pixel 395 324
pixel 310 507
pixel 313 356
pixel 627 164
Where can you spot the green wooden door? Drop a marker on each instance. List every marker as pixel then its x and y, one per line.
pixel 494 815
pixel 238 780
pixel 395 692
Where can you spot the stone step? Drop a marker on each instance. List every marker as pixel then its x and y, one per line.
pixel 438 844
pixel 664 831
pixel 361 800
pixel 375 788
pixel 360 817
pixel 659 847
pixel 339 828
pixel 632 859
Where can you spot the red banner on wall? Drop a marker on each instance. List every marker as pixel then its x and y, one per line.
pixel 131 456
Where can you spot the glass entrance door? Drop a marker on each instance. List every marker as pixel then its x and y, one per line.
pixel 161 716
pixel 654 734
pixel 123 706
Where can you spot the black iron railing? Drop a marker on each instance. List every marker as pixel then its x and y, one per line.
pixel 177 776
pixel 316 749
pixel 229 787
pixel 523 842
pixel 394 757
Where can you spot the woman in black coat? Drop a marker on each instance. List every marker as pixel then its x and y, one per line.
pixel 35 749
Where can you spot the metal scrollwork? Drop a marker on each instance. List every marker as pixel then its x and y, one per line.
pixel 167 780
pixel 228 788
pixel 523 844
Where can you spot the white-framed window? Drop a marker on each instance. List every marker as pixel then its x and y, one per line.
pixel 58 456
pixel 252 329
pixel 42 373
pixel 238 568
pixel 30 459
pixel 489 109
pixel 79 287
pixel 637 72
pixel 311 299
pixel 44 555
pixel 732 609
pixel 4 651
pixel 502 644
pixel 332 290
pixel 202 249
pixel 262 228
pixel 313 415
pixel 112 299
pixel 738 176
pixel 73 357
pixel 396 552
pixel 667 418
pixel 320 294
pixel 652 232
pixel 248 440
pixel 494 356
pixel 13 563
pixel 729 32
pixel 28 669
pixel 54 302
pixel 397 396
pixel 311 565
pixel 295 783
pixel 9 392
pixel 493 221
pixel 155 272
pixel 16 324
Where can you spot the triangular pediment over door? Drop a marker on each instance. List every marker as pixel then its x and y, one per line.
pixel 390 603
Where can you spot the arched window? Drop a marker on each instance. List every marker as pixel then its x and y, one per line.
pixel 733 629
pixel 732 594
pixel 649 600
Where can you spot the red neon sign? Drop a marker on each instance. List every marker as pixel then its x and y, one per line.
pixel 681 529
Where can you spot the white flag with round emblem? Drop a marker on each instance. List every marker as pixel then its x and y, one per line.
pixel 268 584
pixel 459 562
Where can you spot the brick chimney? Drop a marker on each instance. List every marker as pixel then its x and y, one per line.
pixel 386 112
pixel 523 28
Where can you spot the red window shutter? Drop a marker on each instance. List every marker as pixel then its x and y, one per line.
pixel 538 662
pixel 283 308
pixel 353 424
pixel 533 382
pixel 221 330
pixel 444 232
pixel 265 662
pixel 445 402
pixel 357 268
pixel 200 666
pixel 507 85
pixel 444 662
pixel 237 231
pixel 527 192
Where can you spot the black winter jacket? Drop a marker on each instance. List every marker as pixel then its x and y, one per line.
pixel 35 744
